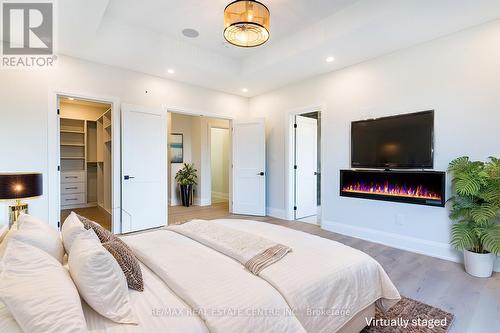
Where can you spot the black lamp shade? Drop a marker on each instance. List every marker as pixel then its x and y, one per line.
pixel 20 185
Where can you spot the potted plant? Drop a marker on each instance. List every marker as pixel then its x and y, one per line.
pixel 475 210
pixel 186 178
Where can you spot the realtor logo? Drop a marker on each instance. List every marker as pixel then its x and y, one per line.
pixel 27 34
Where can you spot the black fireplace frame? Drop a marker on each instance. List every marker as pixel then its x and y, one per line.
pixel 399 199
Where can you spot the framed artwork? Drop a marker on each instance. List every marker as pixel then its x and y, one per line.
pixel 176 146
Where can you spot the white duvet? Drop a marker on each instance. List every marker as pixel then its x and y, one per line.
pixel 322 284
pixel 325 282
pixel 219 289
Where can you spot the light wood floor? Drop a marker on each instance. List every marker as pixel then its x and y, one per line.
pixel 440 283
pixel 96 214
pixel 181 214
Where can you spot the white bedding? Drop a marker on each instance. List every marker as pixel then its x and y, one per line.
pixel 323 276
pixel 219 288
pixel 153 307
pixel 157 308
pixel 318 276
pixel 323 282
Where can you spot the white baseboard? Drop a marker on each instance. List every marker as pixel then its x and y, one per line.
pixel 412 244
pixel 276 213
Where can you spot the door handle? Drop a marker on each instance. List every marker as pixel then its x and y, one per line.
pixel 127 177
pixel 261 173
pixel 315 173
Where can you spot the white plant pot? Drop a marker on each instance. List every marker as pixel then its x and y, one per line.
pixel 478 264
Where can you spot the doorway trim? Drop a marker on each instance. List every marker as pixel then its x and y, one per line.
pixel 290 156
pixel 54 179
pixel 203 113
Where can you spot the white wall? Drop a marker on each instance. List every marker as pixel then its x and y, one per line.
pixel 83 112
pixel 183 124
pixel 24 99
pixel 458 76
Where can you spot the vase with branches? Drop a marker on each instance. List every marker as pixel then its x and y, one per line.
pixel 475 209
pixel 186 178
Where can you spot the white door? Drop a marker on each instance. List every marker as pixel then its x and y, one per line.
pixel 144 168
pixel 306 160
pixel 249 167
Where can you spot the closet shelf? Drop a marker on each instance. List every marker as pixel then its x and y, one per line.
pixel 72 131
pixel 72 144
pixel 72 158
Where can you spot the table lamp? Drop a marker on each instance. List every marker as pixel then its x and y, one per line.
pixel 17 186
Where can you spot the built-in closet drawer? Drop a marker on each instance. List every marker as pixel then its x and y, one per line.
pixel 72 188
pixel 73 177
pixel 72 199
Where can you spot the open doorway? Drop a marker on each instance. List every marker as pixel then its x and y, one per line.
pixel 205 143
pixel 85 143
pixel 220 157
pixel 307 166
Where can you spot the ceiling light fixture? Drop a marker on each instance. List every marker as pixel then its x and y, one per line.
pixel 330 59
pixel 246 23
pixel 171 71
pixel 244 90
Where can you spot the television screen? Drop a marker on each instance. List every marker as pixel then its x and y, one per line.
pixel 401 142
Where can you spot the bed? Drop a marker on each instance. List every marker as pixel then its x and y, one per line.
pixel 321 286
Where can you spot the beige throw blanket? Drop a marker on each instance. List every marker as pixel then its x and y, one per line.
pixel 254 252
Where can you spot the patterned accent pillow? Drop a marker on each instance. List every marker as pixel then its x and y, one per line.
pixel 127 261
pixel 103 234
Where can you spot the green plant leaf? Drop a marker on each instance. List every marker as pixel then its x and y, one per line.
pixel 462 236
pixel 476 204
pixel 467 185
pixel 490 238
pixel 483 213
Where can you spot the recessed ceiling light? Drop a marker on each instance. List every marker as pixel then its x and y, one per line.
pixel 171 71
pixel 244 90
pixel 190 33
pixel 71 98
pixel 330 59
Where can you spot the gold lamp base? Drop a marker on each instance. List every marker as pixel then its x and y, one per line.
pixel 15 211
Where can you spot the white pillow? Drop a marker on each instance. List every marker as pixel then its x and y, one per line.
pixel 6 237
pixel 7 321
pixel 71 229
pixel 28 221
pixel 99 279
pixel 39 292
pixel 39 234
pixel 4 229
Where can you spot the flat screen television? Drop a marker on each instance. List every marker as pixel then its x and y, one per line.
pixel 397 142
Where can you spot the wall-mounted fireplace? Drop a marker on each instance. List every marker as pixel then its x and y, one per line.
pixel 416 187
